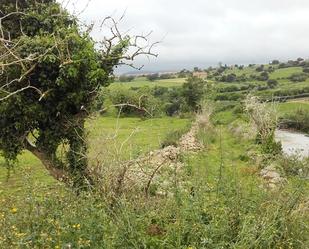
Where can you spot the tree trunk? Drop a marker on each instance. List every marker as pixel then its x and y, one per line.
pixel 57 173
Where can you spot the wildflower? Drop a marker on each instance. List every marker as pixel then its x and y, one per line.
pixel 14 210
pixel 20 235
pixel 77 226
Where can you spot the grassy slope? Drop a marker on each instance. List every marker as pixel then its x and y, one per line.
pixel 280 75
pixel 292 106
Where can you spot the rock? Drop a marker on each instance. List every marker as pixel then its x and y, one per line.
pixel 272 177
pixel 160 167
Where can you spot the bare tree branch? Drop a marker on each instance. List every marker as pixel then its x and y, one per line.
pixel 11 57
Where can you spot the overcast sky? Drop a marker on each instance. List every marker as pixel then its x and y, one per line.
pixel 205 32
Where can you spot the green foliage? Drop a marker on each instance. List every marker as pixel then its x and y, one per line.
pixel 293 166
pixel 263 76
pixel 125 78
pixel 275 62
pixel 158 100
pixel 139 102
pixel 165 76
pixel 193 90
pixel 269 146
pixel 272 83
pixel 298 77
pixel 152 77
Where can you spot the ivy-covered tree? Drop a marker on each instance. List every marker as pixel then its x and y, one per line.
pixel 51 71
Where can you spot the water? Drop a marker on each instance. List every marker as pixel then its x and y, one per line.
pixel 293 143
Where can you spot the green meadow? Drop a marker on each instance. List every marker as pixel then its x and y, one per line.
pixel 142 82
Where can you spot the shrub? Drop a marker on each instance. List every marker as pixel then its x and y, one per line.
pixel 272 83
pixel 263 76
pixel 260 68
pixel 298 77
pixel 152 77
pixel 166 76
pixel 136 103
pixel 265 119
pixel 234 96
pixel 275 62
pixel 293 166
pixel 193 90
pixel 125 78
pixel 231 77
pixel 306 69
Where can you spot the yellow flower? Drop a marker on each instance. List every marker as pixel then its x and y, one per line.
pixel 20 234
pixel 77 226
pixel 14 210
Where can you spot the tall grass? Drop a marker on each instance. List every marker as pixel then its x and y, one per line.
pixel 221 205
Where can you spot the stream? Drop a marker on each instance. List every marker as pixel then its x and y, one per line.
pixel 293 143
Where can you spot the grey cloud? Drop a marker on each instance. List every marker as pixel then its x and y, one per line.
pixel 204 32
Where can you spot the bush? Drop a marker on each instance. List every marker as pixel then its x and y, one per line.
pixel 231 77
pixel 125 78
pixel 306 69
pixel 275 62
pixel 193 90
pixel 234 96
pixel 260 68
pixel 152 77
pixel 272 83
pixel 263 76
pixel 166 76
pixel 298 77
pixel 135 103
pixel 293 166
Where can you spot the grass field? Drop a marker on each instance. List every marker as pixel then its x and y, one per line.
pixel 292 106
pixel 285 86
pixel 285 72
pixel 109 137
pixel 142 82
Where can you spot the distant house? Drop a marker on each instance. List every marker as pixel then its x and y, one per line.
pixel 201 75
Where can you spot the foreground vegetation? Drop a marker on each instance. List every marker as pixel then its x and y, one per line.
pixel 222 205
pixel 218 201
